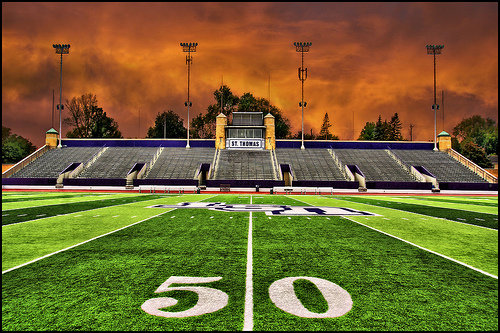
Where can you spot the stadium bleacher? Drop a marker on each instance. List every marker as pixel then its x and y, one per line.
pixel 115 162
pixel 180 163
pixel 384 165
pixel 376 164
pixel 310 164
pixel 440 164
pixel 245 164
pixel 50 164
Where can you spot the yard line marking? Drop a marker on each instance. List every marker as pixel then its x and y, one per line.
pixel 22 215
pixel 434 217
pixel 133 216
pixel 5 214
pixel 116 215
pixel 87 210
pixel 81 243
pixel 248 314
pixel 425 249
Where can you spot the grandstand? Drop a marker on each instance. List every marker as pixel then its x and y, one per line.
pixel 245 164
pixel 310 164
pixel 54 161
pixel 116 162
pixel 375 164
pixel 333 164
pixel 180 163
pixel 440 164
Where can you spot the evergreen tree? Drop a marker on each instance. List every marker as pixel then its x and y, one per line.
pixel 368 132
pixel 324 132
pixel 395 127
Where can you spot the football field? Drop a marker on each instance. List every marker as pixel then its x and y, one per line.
pixel 129 261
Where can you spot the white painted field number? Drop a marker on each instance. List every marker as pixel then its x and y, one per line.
pixel 281 292
pixel 283 296
pixel 209 299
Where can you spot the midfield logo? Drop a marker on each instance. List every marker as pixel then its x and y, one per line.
pixel 282 210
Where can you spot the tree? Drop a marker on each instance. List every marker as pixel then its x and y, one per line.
pixel 89 120
pixel 475 153
pixel 483 132
pixel 395 126
pixel 203 125
pixel 324 132
pixel 381 132
pixel 14 147
pixel 368 132
pixel 174 126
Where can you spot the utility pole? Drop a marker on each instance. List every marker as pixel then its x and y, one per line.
pixel 434 49
pixel 411 132
pixel 302 47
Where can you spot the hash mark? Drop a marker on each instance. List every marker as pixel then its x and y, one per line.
pixel 479 219
pixel 22 215
pixel 41 215
pixel 116 215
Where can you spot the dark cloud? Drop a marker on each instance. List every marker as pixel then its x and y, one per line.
pixel 366 59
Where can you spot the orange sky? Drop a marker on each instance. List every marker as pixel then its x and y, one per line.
pixel 366 59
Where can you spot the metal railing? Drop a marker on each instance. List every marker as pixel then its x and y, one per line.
pixel 473 166
pixel 24 162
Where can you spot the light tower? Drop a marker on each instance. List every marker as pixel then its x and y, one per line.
pixel 60 49
pixel 188 47
pixel 302 47
pixel 434 49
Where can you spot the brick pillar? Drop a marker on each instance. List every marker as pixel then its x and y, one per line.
pixel 220 131
pixel 444 141
pixel 270 136
pixel 51 138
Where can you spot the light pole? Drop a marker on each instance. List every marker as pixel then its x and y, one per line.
pixel 302 47
pixel 60 49
pixel 188 47
pixel 434 49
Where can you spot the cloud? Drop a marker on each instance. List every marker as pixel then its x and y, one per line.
pixel 366 59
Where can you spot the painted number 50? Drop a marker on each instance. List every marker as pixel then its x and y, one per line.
pixel 281 293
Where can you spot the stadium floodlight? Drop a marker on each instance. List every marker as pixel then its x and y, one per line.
pixel 188 47
pixel 434 49
pixel 302 47
pixel 60 49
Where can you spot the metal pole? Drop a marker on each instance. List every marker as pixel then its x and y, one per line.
pixel 435 105
pixel 60 107
pixel 164 126
pixel 189 69
pixel 302 103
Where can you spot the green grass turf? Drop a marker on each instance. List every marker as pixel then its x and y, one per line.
pixel 102 284
pixel 469 244
pixel 42 196
pixel 30 240
pixel 54 200
pixel 41 212
pixel 465 204
pixel 393 285
pixel 488 202
pixel 471 217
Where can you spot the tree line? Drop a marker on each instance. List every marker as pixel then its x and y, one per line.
pixel 474 137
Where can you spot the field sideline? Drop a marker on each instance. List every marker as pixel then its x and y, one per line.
pixel 130 261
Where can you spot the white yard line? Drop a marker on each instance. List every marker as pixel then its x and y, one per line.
pixel 425 249
pixel 248 314
pixel 434 217
pixel 80 211
pixel 88 240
